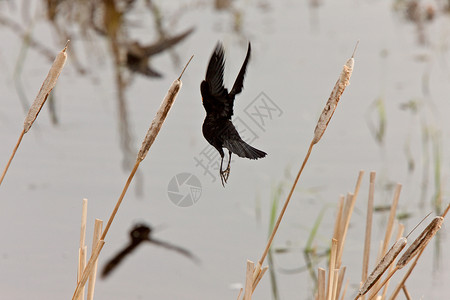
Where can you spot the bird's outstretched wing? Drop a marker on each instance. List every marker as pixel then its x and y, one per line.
pixel 165 43
pixel 239 83
pixel 214 73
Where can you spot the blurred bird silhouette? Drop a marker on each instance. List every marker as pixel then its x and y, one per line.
pixel 218 129
pixel 141 233
pixel 138 55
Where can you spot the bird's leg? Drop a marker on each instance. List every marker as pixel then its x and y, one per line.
pixel 226 173
pixel 221 172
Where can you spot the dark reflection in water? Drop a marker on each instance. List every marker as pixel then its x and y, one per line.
pixel 89 22
pixel 419 14
pixel 139 234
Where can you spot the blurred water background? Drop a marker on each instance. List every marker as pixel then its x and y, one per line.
pixel 392 119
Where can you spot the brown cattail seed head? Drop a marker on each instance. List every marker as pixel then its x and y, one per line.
pixel 159 118
pixel 46 88
pixel 330 107
pixel 382 266
pixel 421 241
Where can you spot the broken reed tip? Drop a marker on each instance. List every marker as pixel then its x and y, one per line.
pixel 66 45
pixel 415 227
pixel 354 50
pixel 182 72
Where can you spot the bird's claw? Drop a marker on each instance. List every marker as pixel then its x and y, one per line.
pixel 224 175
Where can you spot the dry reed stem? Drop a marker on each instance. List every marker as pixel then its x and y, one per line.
pixel 358 183
pixel 148 141
pixel 335 283
pixel 249 280
pixel 82 254
pixel 389 227
pixel 280 216
pixel 338 221
pixel 47 86
pixel 92 277
pixel 378 288
pixel 12 156
pixel 348 211
pixel 322 124
pixel 401 229
pixel 345 290
pixel 368 233
pixel 446 211
pixel 331 267
pixel 340 281
pixel 405 290
pixel 391 219
pixel 406 276
pixel 82 251
pixel 258 279
pixel 343 235
pixel 83 223
pixel 88 270
pixel 240 293
pixel 321 284
pixel 381 267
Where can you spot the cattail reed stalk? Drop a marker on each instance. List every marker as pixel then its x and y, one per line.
pixel 335 283
pixel 368 228
pixel 82 249
pixel 401 229
pixel 93 275
pixel 407 295
pixel 47 86
pixel 148 141
pixel 240 293
pixel 391 219
pixel 341 276
pixel 338 221
pixel 249 280
pixel 324 119
pixel 331 268
pixel 321 284
pixel 258 279
pixel 390 225
pixel 345 290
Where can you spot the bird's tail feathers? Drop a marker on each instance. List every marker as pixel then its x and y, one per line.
pixel 242 149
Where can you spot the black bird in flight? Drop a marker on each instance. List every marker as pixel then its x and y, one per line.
pixel 218 129
pixel 139 234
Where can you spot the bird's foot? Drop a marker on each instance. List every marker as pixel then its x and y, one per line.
pixel 224 175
